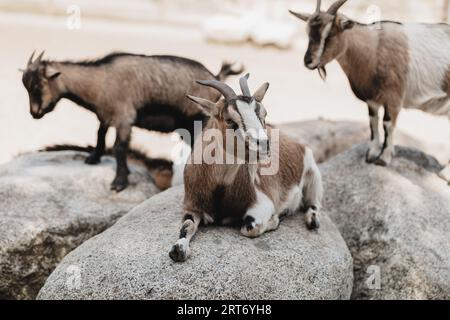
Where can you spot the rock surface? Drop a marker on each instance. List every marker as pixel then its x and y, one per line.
pixel 51 202
pixel 130 261
pixel 329 138
pixel 395 220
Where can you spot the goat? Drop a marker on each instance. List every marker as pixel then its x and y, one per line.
pixel 239 192
pixel 388 64
pixel 123 90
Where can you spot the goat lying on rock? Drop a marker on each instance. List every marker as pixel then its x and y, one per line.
pixel 123 90
pixel 388 64
pixel 240 192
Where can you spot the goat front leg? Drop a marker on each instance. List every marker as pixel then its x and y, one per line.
pixel 180 251
pixel 313 193
pixel 120 151
pixel 99 150
pixel 388 150
pixel 375 148
pixel 260 218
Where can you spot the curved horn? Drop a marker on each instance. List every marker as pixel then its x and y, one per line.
pixel 223 88
pixel 39 58
pixel 244 85
pixel 336 6
pixel 30 61
pixel 319 4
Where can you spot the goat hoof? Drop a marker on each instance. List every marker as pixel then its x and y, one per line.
pixel 380 162
pixel 312 220
pixel 119 184
pixel 92 160
pixel 178 253
pixel 370 159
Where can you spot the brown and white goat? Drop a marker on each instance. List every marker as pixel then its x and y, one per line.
pixel 239 192
pixel 123 90
pixel 388 64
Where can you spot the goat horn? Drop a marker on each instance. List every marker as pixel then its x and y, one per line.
pixel 39 58
pixel 30 61
pixel 336 6
pixel 319 4
pixel 244 85
pixel 223 88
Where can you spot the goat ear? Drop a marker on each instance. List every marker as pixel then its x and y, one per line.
pixel 206 106
pixel 345 23
pixel 261 92
pixel 51 73
pixel 301 16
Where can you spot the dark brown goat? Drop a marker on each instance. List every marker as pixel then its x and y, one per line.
pixel 123 90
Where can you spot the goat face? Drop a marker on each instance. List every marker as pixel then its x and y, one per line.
pixel 325 31
pixel 239 117
pixel 40 81
pixel 246 118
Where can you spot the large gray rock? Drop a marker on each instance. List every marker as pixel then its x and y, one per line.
pixel 395 220
pixel 329 138
pixel 130 261
pixel 50 203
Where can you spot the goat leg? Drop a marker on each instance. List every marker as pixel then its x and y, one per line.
pixel 374 149
pixel 120 151
pixel 180 251
pixel 260 218
pixel 99 150
pixel 389 123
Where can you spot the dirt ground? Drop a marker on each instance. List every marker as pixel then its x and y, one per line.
pixel 295 93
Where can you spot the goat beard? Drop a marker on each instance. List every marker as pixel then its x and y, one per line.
pixel 322 73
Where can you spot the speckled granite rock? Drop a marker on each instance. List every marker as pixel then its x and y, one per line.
pixel 131 261
pixel 51 202
pixel 396 222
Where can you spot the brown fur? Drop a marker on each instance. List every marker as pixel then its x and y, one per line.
pixel 230 202
pixel 124 90
pixel 291 155
pixel 375 74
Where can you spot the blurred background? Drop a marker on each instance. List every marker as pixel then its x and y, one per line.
pixel 257 33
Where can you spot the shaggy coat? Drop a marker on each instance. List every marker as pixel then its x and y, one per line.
pixel 240 192
pixel 389 65
pixel 123 90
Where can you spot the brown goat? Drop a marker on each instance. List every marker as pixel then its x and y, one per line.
pixel 123 90
pixel 243 191
pixel 389 64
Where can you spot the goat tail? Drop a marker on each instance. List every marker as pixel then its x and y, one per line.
pixel 312 188
pixel 227 70
pixel 67 147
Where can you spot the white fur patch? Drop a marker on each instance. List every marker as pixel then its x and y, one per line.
pixel 293 199
pixel 429 50
pixel 263 209
pixel 311 180
pixel 180 164
pixel 309 187
pixel 251 121
pixel 183 243
pixel 320 51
